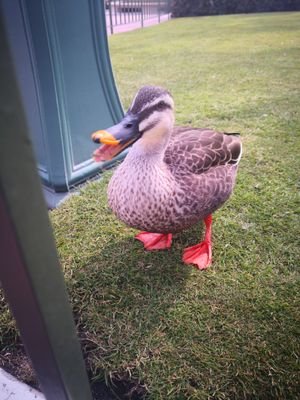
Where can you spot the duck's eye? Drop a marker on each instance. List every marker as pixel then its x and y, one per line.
pixel 128 125
pixel 161 105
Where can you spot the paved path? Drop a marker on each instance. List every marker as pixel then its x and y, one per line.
pixel 12 389
pixel 137 24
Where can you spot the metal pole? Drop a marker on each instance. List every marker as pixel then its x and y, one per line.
pixel 142 14
pixel 120 12
pixel 115 13
pixel 158 6
pixel 110 18
pixel 30 273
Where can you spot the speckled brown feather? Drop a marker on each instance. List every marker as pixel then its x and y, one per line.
pixel 195 177
pixel 198 150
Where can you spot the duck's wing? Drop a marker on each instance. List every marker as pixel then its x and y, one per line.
pixel 198 150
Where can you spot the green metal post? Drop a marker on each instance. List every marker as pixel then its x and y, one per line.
pixel 29 271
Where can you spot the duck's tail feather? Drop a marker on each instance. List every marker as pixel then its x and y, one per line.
pixel 232 133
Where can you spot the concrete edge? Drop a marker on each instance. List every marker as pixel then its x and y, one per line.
pixel 12 389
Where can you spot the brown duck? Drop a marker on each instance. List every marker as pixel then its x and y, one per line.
pixel 172 177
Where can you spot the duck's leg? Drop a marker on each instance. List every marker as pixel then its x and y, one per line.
pixel 201 254
pixel 155 241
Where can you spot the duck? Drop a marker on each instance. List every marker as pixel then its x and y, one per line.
pixel 172 177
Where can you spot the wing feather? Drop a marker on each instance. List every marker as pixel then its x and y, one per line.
pixel 198 150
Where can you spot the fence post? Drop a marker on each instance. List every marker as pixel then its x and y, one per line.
pixel 110 18
pixel 158 6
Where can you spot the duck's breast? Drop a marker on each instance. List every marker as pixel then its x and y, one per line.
pixel 141 196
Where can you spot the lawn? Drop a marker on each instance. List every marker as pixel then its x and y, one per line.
pixel 148 323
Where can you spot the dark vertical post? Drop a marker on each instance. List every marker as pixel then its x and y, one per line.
pixel 158 9
pixel 110 18
pixel 115 13
pixel 29 271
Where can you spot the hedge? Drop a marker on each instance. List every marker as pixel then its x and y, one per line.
pixel 186 8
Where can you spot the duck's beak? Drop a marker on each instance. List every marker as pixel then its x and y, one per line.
pixel 116 138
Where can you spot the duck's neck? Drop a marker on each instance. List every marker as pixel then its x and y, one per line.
pixel 152 145
pixel 144 169
pixel 148 153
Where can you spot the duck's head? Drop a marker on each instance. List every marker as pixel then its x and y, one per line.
pixel 149 121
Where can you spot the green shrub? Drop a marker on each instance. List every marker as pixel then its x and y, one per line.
pixel 185 8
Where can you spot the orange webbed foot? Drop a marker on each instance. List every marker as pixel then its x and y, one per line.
pixel 199 255
pixel 155 241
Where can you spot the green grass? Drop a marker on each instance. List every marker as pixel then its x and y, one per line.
pixel 146 320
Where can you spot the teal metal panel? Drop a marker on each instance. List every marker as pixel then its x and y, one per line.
pixel 66 81
pixel 23 58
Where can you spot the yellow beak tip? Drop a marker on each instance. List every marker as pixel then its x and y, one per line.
pixel 105 138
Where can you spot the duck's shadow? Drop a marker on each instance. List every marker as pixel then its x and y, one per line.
pixel 133 274
pixel 132 295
